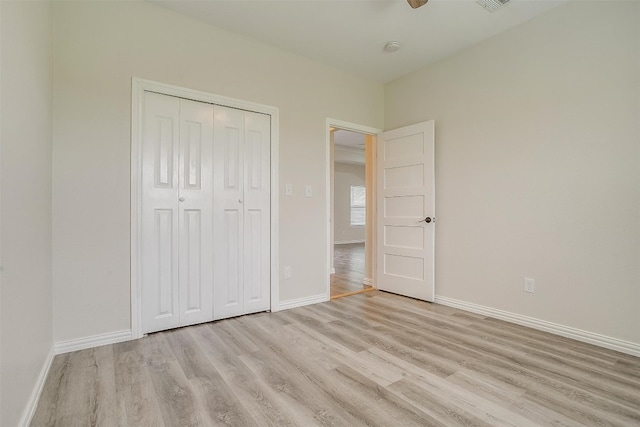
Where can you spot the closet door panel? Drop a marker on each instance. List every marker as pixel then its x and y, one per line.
pixel 162 256
pixel 228 177
pixel 229 262
pixel 257 221
pixel 194 293
pixel 195 204
pixel 159 211
pixel 253 266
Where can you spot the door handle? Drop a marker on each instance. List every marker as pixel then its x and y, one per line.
pixel 181 199
pixel 428 220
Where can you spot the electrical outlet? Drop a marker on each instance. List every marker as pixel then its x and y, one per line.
pixel 529 285
pixel 287 272
pixel 307 191
pixel 288 190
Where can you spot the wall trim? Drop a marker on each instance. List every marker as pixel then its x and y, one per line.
pixel 299 302
pixel 92 341
pixel 367 281
pixel 348 242
pixel 543 325
pixel 32 403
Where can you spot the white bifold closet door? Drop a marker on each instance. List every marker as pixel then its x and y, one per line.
pixel 199 259
pixel 241 186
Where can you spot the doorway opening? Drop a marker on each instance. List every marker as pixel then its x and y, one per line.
pixel 351 206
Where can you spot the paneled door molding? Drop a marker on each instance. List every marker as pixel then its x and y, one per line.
pixel 138 89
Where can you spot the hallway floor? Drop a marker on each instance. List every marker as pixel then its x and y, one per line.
pixel 349 262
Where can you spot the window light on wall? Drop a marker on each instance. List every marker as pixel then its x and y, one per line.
pixel 358 205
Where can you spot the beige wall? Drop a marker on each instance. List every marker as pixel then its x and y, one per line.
pixel 25 213
pixel 345 176
pixel 538 167
pixel 99 46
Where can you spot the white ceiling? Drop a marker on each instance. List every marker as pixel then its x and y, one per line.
pixel 349 147
pixel 351 34
pixel 349 139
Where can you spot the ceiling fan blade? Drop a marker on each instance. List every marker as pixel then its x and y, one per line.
pixel 417 3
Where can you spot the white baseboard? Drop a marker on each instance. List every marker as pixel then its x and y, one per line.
pixel 542 325
pixel 92 341
pixel 299 302
pixel 348 242
pixel 367 281
pixel 32 403
pixel 333 270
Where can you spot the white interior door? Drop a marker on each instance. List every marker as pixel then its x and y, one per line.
pixel 228 211
pixel 205 205
pixel 177 211
pixel 406 209
pixel 242 212
pixel 160 145
pixel 195 212
pixel 257 213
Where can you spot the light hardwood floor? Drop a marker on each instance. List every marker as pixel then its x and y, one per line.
pixel 349 262
pixel 371 359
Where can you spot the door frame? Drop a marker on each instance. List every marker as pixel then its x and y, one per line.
pixel 367 130
pixel 138 87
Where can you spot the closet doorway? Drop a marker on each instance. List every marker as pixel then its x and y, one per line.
pixel 202 223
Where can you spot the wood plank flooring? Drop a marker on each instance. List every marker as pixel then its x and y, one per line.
pixel 373 359
pixel 349 262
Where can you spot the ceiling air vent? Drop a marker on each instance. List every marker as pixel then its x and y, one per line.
pixel 492 5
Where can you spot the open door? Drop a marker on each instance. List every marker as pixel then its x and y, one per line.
pixel 406 209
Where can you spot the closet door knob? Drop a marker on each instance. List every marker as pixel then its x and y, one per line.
pixel 181 199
